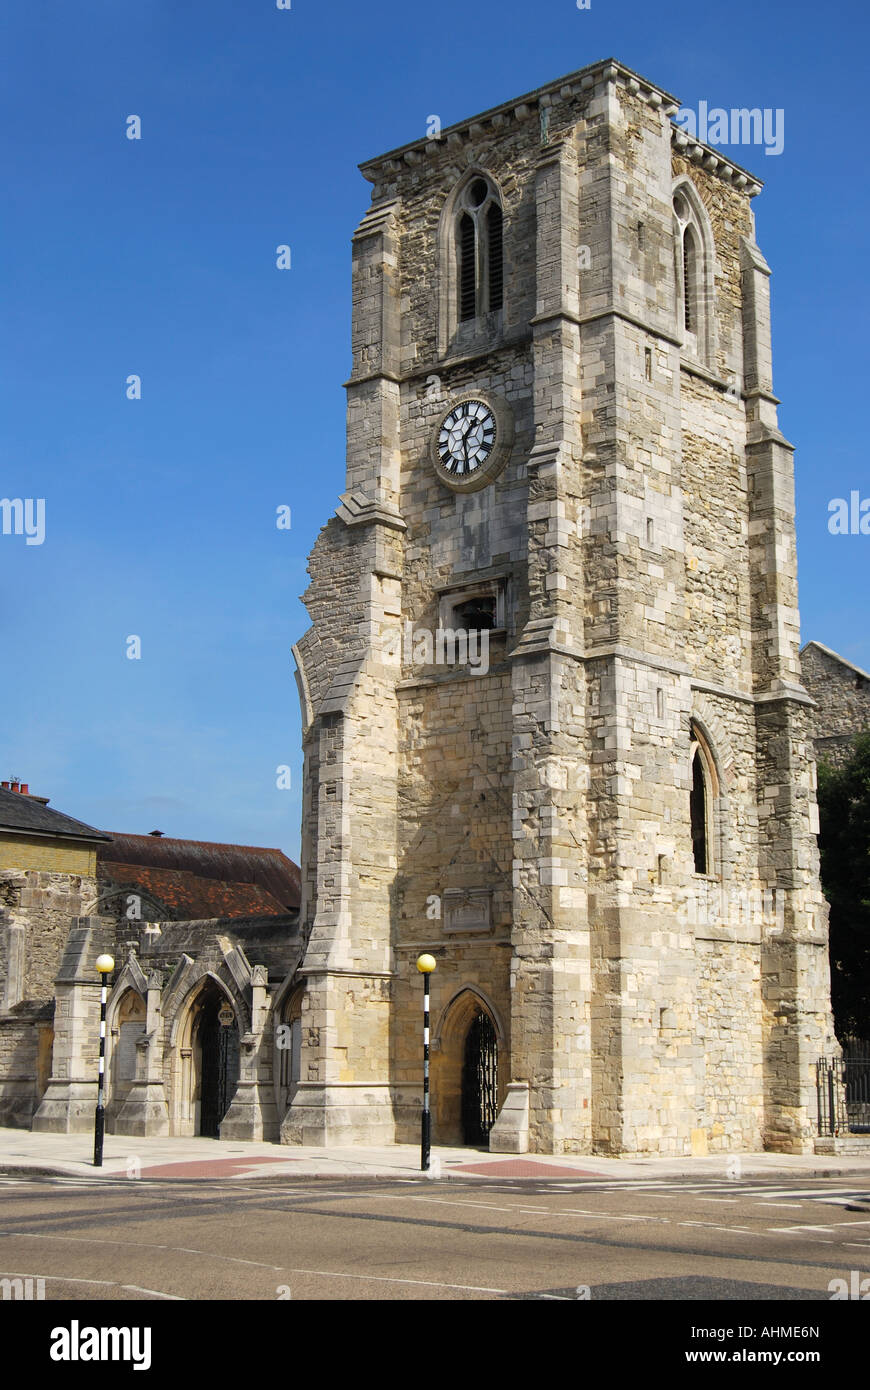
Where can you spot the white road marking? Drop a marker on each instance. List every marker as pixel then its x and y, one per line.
pixel 384 1279
pixel 100 1283
pixel 431 1201
pixel 612 1215
pixel 140 1245
pixel 210 1254
pixel 796 1230
pixel 711 1226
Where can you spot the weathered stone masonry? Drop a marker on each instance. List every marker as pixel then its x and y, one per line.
pixel 640 542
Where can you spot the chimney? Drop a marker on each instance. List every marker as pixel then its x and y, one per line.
pixel 14 787
pixel 25 788
pixel 6 787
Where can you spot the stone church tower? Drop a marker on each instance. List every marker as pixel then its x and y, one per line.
pixel 554 725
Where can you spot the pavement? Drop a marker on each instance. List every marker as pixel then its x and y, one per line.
pixel 24 1153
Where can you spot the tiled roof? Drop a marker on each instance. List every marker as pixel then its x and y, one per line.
pixel 187 896
pixel 31 815
pixel 227 880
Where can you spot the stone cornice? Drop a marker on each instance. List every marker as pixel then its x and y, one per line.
pixel 583 84
pixel 580 83
pixel 715 163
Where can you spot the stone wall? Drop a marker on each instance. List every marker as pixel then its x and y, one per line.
pixel 842 695
pixel 37 908
pixel 641 539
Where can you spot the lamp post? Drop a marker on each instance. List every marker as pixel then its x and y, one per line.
pixel 105 966
pixel 425 965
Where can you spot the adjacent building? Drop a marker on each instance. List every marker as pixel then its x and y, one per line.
pixel 841 691
pixel 205 939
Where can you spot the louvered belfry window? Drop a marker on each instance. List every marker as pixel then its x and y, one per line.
pixel 690 263
pixel 467 268
pixel 479 240
pixel 496 274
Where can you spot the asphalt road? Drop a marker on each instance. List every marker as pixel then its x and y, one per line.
pixel 410 1240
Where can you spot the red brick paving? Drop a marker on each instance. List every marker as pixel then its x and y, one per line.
pixel 210 1167
pixel 522 1168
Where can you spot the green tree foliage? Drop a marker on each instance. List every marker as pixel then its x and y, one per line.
pixel 844 844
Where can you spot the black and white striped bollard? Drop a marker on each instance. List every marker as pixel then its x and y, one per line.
pixel 425 965
pixel 105 966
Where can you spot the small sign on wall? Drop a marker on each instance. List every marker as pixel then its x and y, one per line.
pixel 468 910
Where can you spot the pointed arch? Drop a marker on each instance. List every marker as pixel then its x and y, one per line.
pixel 468 1013
pixel 694 267
pixel 287 1068
pixel 470 254
pixel 185 1061
pixel 459 1010
pixel 184 1010
pixel 708 801
pixel 126 1023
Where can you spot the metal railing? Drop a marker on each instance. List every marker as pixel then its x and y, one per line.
pixel 843 1090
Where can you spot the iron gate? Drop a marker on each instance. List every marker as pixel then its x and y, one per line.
pixel 843 1090
pixel 479 1080
pixel 220 1068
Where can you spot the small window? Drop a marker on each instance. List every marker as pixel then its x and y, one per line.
pixel 704 808
pixel 476 614
pixel 694 255
pixel 473 608
pixel 698 814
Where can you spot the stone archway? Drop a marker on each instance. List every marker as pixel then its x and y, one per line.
pixel 468 1062
pixel 288 1049
pixel 206 1063
pixel 126 1025
pixel 216 1046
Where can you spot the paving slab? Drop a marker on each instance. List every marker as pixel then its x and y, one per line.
pixel 23 1152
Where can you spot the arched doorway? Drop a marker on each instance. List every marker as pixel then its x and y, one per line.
pixel 479 1080
pixel 288 1046
pixel 217 1044
pixel 468 1061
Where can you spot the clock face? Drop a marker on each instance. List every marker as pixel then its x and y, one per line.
pixel 466 438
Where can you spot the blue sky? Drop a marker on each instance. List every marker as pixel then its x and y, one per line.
pixel 157 257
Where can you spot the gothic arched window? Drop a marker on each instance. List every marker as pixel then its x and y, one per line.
pixel 702 797
pixel 694 272
pixel 479 250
